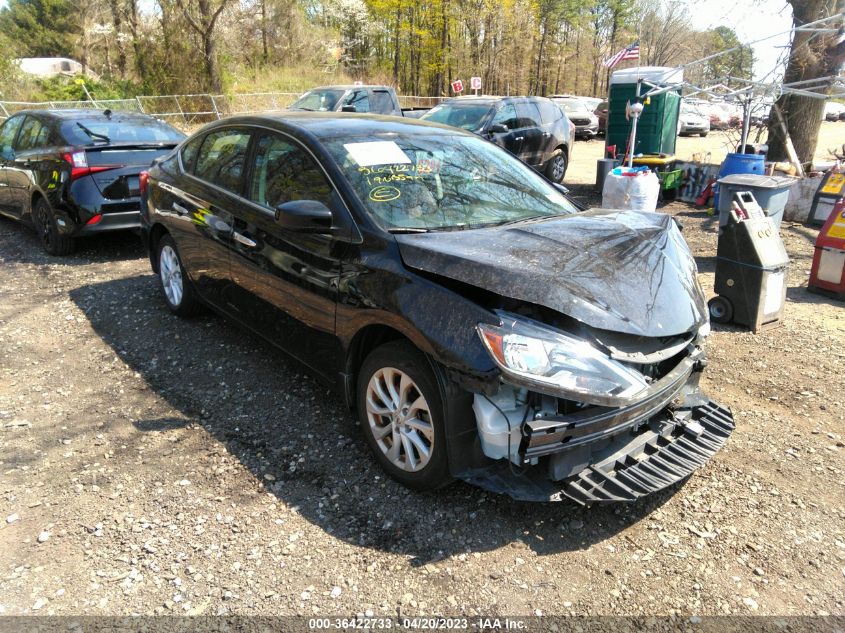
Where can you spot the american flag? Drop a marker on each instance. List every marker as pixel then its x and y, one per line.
pixel 629 52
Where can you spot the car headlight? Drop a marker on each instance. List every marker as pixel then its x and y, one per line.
pixel 559 364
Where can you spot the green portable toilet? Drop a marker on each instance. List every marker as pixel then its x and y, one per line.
pixel 657 129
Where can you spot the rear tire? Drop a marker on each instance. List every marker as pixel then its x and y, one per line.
pixel 179 294
pixel 401 413
pixel 44 220
pixel 557 166
pixel 703 134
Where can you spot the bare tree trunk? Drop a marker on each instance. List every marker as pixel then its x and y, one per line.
pixel 117 21
pixel 812 55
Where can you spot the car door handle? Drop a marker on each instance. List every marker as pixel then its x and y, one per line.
pixel 178 208
pixel 243 239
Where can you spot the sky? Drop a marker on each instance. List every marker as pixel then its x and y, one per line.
pixel 751 20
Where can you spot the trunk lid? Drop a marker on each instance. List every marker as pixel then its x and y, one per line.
pixel 115 169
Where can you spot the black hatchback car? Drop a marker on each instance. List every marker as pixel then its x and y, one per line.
pixel 481 326
pixel 534 129
pixel 72 173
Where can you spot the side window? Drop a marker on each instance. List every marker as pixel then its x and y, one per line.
pixel 529 115
pixel 221 158
pixel 360 100
pixel 31 131
pixel 189 154
pixel 7 134
pixel 506 115
pixel 549 112
pixel 381 102
pixel 284 171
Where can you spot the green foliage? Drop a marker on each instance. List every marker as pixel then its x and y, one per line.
pixel 63 88
pixel 739 63
pixel 40 28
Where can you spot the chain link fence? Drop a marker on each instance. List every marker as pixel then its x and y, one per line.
pixel 188 111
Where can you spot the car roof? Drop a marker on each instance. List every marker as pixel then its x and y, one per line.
pixel 350 87
pixel 330 125
pixel 86 113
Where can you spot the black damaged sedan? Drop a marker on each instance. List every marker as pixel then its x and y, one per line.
pixel 482 327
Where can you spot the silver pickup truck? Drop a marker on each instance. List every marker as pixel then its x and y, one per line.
pixel 355 98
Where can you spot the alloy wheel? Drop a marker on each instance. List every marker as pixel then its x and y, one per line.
pixel 400 419
pixel 558 168
pixel 171 275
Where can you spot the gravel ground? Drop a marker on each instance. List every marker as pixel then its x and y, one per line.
pixel 154 465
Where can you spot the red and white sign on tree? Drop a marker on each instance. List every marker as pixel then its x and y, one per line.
pixel 457 86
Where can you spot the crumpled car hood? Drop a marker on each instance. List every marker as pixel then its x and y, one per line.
pixel 625 271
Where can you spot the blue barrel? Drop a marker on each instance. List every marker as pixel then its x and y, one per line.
pixel 740 164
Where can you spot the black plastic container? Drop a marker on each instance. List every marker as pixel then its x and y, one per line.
pixel 751 265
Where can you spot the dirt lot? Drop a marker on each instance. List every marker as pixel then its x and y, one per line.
pixel 155 465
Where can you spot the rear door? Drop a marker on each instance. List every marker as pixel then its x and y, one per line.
pixel 531 129
pixel 200 208
pixel 287 282
pixel 8 135
pixel 23 172
pixel 551 116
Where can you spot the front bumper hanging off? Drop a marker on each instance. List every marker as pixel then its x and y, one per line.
pixel 660 455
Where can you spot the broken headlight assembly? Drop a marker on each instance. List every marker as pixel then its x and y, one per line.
pixel 558 364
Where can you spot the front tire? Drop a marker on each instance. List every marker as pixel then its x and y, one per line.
pixel 401 413
pixel 557 165
pixel 44 219
pixel 179 294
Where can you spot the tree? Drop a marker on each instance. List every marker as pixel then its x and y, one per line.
pixel 41 28
pixel 813 55
pixel 204 24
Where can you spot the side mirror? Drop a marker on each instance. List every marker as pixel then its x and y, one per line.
pixel 348 108
pixel 498 128
pixel 561 188
pixel 304 216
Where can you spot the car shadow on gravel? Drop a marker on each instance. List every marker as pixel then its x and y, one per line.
pixel 23 247
pixel 301 444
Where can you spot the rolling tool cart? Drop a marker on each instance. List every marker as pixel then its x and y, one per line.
pixel 751 265
pixel 831 191
pixel 827 275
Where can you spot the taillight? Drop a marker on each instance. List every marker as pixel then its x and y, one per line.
pixel 143 181
pixel 79 165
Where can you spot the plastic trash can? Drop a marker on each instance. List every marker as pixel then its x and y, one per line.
pixel 740 164
pixel 603 167
pixel 770 192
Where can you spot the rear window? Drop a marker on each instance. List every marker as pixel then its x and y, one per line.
pixel 549 112
pixel 91 131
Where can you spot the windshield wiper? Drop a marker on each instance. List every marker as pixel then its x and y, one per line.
pixel 93 134
pixel 407 229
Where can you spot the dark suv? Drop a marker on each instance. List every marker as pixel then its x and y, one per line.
pixel 533 129
pixel 75 172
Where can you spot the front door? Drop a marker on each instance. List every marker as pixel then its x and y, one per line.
pixel 513 139
pixel 201 209
pixel 287 282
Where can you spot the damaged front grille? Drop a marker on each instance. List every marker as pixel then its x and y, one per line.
pixel 653 463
